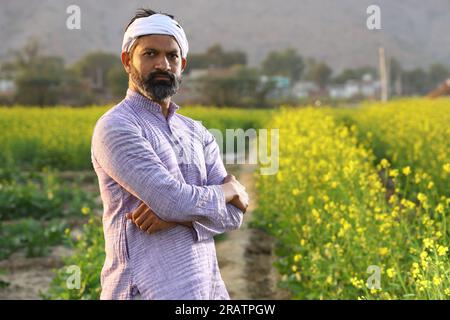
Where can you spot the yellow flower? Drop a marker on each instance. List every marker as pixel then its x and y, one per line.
pixel 446 167
pixel 297 257
pixel 415 269
pixel 85 210
pixel 442 251
pixel 390 272
pixel 295 192
pixel 417 178
pixel 423 255
pixel 294 268
pixel 428 243
pixel 373 291
pixel 356 283
pixel 383 251
pixel 422 197
pixel 430 184
pixel 436 280
pixel 440 208
pixel 393 173
pixel 406 171
pixel 384 163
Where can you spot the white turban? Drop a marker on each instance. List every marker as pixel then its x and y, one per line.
pixel 155 24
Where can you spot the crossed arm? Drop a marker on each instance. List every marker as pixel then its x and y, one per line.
pixel 128 158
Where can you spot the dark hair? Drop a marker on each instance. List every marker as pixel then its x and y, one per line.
pixel 142 13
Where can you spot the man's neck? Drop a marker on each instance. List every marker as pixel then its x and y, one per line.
pixel 164 104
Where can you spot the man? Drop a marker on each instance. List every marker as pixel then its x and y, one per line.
pixel 164 187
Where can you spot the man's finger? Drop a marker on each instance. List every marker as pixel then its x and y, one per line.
pixel 146 224
pixel 143 217
pixel 153 228
pixel 139 211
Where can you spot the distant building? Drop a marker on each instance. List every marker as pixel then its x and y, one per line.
pixel 366 87
pixel 7 87
pixel 305 89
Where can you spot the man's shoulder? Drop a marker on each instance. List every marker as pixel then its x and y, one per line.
pixel 196 124
pixel 118 115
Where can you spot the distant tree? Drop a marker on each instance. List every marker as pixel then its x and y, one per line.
pixel 38 78
pixel 354 74
pixel 117 81
pixel 319 72
pixel 215 57
pixel 415 82
pixel 95 66
pixel 45 80
pixel 242 87
pixel 40 83
pixel 286 63
pixel 437 73
pixel 395 77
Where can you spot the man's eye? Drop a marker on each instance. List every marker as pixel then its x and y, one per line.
pixel 174 56
pixel 149 53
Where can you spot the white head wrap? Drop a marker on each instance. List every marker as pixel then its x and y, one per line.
pixel 155 24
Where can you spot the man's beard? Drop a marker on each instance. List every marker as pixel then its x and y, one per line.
pixel 156 89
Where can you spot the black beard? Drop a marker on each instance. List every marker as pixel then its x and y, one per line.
pixel 158 89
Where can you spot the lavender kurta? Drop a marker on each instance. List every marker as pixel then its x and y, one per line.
pixel 174 166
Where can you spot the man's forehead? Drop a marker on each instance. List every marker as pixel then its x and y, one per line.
pixel 157 41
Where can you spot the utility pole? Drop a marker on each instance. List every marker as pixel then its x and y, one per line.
pixel 383 75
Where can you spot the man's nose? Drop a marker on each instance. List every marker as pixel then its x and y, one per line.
pixel 162 63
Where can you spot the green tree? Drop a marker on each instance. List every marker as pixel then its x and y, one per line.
pixel 395 76
pixel 117 81
pixel 215 57
pixel 354 74
pixel 94 67
pixel 437 73
pixel 319 72
pixel 241 87
pixel 38 78
pixel 415 82
pixel 286 63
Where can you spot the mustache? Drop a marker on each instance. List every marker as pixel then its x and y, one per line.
pixel 152 77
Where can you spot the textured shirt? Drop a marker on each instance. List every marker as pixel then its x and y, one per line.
pixel 174 166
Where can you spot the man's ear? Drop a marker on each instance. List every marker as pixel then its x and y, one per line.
pixel 183 64
pixel 126 61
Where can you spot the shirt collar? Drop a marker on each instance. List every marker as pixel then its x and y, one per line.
pixel 138 99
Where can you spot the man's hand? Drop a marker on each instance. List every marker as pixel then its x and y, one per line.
pixel 149 222
pixel 235 193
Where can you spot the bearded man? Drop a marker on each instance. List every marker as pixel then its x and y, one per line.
pixel 163 184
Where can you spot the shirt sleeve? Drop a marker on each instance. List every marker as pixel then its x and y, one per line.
pixel 216 172
pixel 127 157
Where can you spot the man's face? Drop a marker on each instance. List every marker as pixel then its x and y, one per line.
pixel 155 65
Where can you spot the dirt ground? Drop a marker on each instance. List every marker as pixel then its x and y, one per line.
pixel 28 276
pixel 245 259
pixel 246 255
